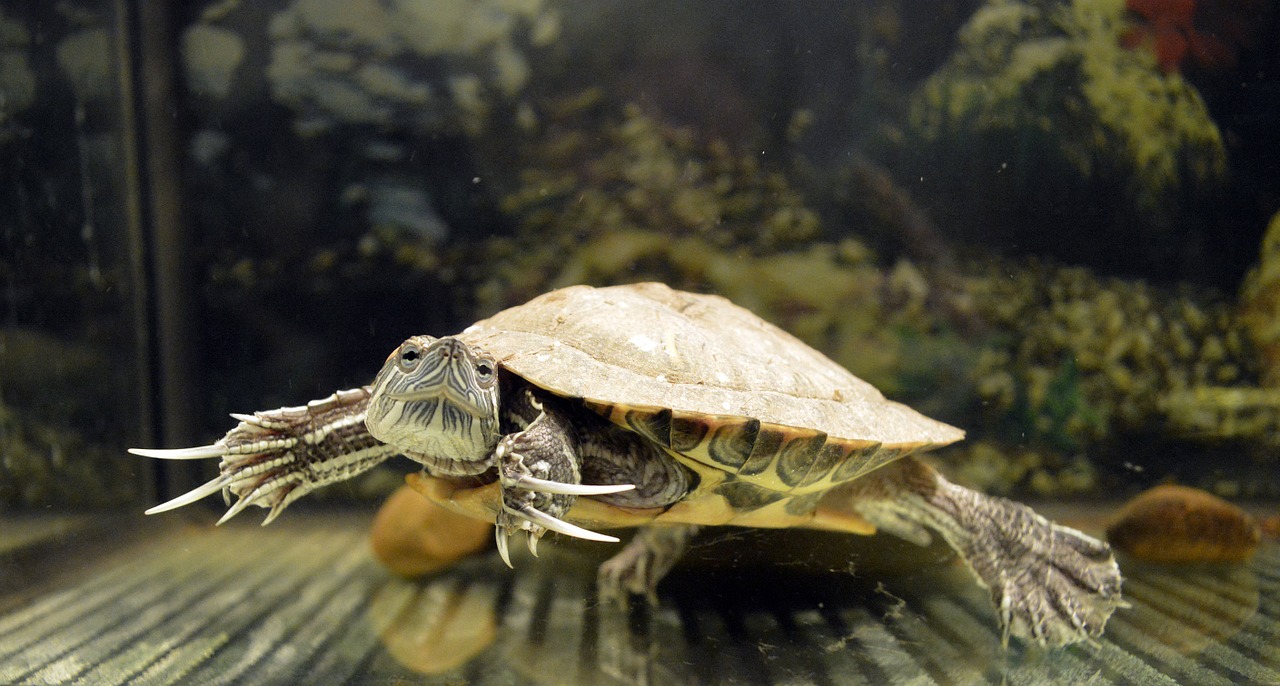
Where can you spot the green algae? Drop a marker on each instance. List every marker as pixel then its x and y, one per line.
pixel 1058 75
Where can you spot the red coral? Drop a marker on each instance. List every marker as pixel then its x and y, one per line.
pixel 1209 34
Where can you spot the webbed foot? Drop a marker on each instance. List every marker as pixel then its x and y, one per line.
pixel 272 458
pixel 1050 584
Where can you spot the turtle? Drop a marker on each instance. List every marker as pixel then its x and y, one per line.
pixel 588 409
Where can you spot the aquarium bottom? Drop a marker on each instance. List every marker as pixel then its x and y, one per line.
pixel 131 601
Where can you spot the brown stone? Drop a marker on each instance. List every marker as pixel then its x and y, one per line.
pixel 1271 526
pixel 413 536
pixel 1178 524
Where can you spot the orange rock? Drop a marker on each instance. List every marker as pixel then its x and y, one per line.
pixel 1271 526
pixel 413 536
pixel 1177 524
pixel 440 629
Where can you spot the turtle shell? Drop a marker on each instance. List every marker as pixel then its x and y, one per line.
pixel 767 422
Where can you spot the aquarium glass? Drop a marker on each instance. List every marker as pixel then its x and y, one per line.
pixel 1051 224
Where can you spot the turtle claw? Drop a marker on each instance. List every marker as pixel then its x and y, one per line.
pixel 533 483
pixel 251 423
pixel 238 507
pixel 502 537
pixel 535 524
pixel 218 483
pixel 546 521
pixel 516 474
pixel 241 475
pixel 196 453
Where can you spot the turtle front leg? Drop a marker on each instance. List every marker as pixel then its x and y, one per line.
pixel 273 457
pixel 1050 584
pixel 541 477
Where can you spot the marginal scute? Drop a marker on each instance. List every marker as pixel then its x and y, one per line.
pixel 855 463
pixel 831 455
pixel 797 456
pixel 884 456
pixel 655 426
pixel 768 442
pixel 731 442
pixel 786 459
pixel 687 432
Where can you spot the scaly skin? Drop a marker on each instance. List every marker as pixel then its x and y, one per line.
pixel 273 457
pixel 1050 584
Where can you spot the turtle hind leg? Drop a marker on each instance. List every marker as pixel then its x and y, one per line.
pixel 1050 584
pixel 643 562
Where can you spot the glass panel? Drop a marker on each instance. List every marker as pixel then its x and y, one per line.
pixel 73 387
pixel 1051 224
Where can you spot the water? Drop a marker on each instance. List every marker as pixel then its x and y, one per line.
pixel 1049 223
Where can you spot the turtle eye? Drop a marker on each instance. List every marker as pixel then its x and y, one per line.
pixel 484 371
pixel 409 357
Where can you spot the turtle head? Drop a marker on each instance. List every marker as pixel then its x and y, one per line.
pixel 436 399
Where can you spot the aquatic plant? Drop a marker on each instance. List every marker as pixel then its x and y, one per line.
pixel 1220 414
pixel 1041 108
pixel 628 176
pixel 17 80
pixel 436 66
pixel 42 463
pixel 640 173
pixel 1260 304
pixel 636 199
pixel 1243 412
pixel 1002 467
pixel 1092 358
pixel 1058 361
